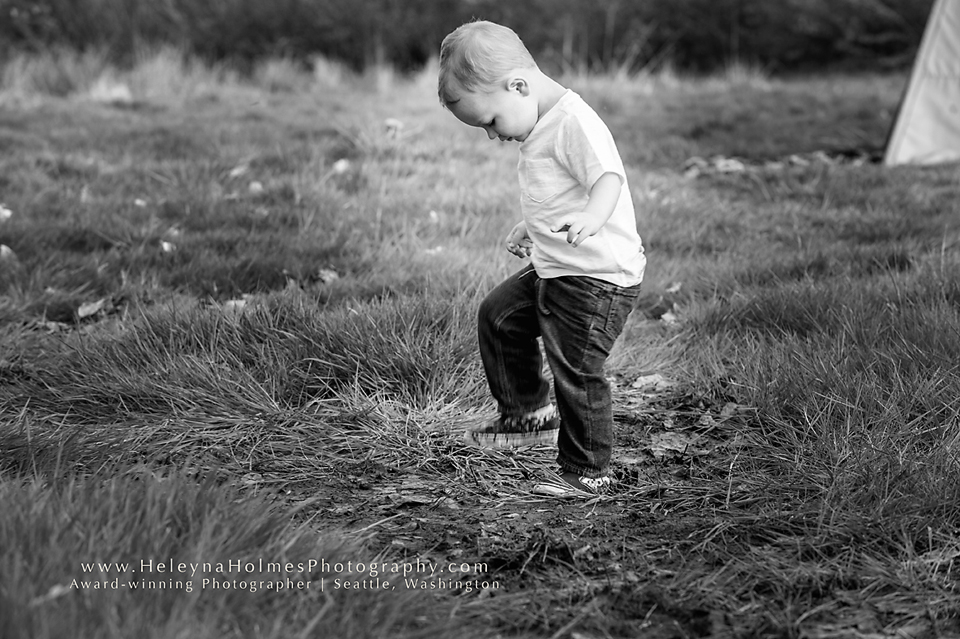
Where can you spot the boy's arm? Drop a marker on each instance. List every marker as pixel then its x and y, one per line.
pixel 599 208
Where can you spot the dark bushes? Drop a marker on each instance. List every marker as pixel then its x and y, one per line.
pixel 697 35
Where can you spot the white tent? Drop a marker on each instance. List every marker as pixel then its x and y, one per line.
pixel 927 128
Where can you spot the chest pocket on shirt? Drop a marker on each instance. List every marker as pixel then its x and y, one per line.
pixel 539 180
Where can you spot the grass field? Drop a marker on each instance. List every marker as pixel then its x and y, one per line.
pixel 237 331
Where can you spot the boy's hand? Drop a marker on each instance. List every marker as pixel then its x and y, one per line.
pixel 519 242
pixel 578 226
pixel 603 198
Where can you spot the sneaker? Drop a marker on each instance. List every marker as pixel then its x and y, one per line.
pixel 569 484
pixel 536 429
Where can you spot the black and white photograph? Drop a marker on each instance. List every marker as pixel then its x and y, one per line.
pixel 479 319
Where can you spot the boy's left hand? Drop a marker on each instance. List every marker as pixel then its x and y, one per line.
pixel 578 226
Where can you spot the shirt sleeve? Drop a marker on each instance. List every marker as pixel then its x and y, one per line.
pixel 585 148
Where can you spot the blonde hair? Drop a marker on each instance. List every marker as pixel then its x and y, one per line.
pixel 477 55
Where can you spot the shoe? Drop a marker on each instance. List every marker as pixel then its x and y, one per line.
pixel 536 429
pixel 569 484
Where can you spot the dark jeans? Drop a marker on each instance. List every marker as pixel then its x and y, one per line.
pixel 578 319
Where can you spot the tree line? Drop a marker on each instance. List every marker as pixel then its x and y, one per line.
pixel 597 35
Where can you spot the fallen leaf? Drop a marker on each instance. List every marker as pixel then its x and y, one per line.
pixel 729 165
pixel 109 91
pixel 732 408
pixel 394 127
pixel 234 305
pixel 54 593
pixel 449 503
pixel 252 479
pixel 707 421
pixel 672 444
pixel 326 275
pixel 655 381
pixel 91 308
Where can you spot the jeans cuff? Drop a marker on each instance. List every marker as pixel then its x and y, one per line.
pixel 546 410
pixel 589 473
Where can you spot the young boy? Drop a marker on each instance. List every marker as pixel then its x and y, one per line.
pixel 578 228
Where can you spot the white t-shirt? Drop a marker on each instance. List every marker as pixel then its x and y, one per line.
pixel 566 153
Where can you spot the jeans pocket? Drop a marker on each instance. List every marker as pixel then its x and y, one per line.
pixel 620 306
pixel 541 289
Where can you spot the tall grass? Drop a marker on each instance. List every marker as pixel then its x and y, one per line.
pixel 161 74
pixel 56 536
pixel 58 72
pixel 406 349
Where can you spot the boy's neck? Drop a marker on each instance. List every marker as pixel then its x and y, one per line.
pixel 548 92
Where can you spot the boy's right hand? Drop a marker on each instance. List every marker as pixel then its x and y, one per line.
pixel 519 242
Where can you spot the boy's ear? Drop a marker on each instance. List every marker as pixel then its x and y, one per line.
pixel 519 84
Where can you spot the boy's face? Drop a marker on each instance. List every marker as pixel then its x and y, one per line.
pixel 508 112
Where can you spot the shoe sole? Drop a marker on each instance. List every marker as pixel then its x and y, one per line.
pixel 511 440
pixel 560 488
pixel 562 492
